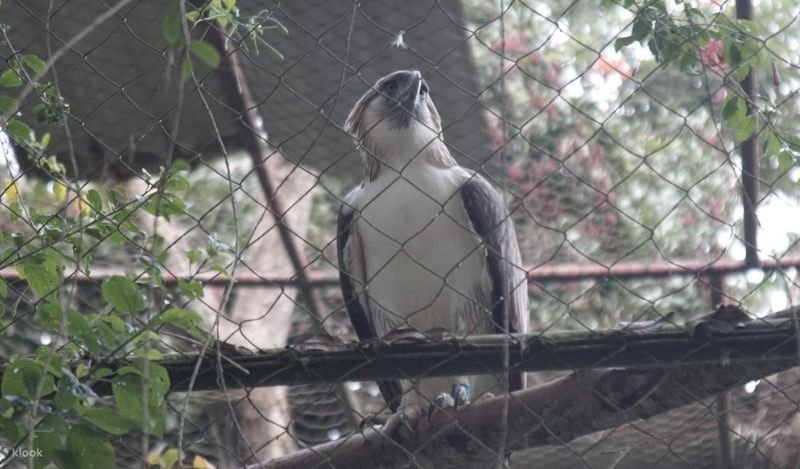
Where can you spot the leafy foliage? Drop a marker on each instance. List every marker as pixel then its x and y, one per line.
pixel 613 136
pixel 48 402
pixel 52 390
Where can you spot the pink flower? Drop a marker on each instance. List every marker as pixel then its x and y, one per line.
pixel 719 96
pixel 712 56
pixel 516 173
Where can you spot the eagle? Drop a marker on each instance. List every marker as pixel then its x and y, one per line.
pixel 424 243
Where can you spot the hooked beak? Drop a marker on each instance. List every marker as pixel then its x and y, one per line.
pixel 409 99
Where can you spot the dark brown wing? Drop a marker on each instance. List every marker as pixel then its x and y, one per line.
pixel 351 274
pixel 490 220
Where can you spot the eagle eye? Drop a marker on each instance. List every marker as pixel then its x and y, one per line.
pixel 390 87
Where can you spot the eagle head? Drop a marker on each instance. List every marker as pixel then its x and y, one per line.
pixel 395 113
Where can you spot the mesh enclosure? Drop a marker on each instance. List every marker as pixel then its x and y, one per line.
pixel 175 287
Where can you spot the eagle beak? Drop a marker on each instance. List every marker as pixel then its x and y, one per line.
pixel 410 98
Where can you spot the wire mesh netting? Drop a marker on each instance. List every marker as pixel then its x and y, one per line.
pixel 175 288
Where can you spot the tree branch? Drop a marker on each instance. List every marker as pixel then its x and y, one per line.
pixel 581 403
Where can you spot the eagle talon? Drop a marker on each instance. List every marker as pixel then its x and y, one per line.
pixel 404 335
pixel 441 401
pixel 460 395
pixel 404 420
pixel 395 420
pixel 371 420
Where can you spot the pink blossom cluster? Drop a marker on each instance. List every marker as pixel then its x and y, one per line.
pixel 713 57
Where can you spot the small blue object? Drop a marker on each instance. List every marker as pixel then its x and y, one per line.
pixel 461 392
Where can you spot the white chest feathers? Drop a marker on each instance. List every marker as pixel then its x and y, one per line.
pixel 425 266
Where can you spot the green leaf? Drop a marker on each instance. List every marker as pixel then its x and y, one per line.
pixel 744 128
pixel 172 30
pixel 792 141
pixel 101 373
pixel 165 205
pixel 186 69
pixel 641 27
pixel 10 78
pixel 183 318
pixel 95 200
pixel 19 131
pixel 194 256
pixel 81 371
pixel 741 72
pixel 179 165
pixel 654 145
pixel 206 52
pixel 106 334
pixel 127 391
pixel 123 295
pixel 109 333
pixel 7 105
pixel 191 288
pixel 48 357
pixel 222 20
pixel 772 143
pixel 159 382
pixel 3 288
pixel 733 108
pixel 66 397
pixel 128 370
pixel 12 430
pixel 109 420
pixel 786 160
pixel 49 437
pixel 78 328
pixel 176 183
pixel 128 394
pixel 150 354
pixel 117 324
pixel 22 378
pixel 623 42
pixel 219 268
pixel 44 142
pixel 88 450
pixel 117 196
pixel 733 55
pixel 33 62
pixel 49 316
pixel 42 274
pixel 171 457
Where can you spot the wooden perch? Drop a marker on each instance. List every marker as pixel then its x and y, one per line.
pixel 324 360
pixel 583 402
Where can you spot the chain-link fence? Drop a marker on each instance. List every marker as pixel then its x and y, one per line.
pixel 184 278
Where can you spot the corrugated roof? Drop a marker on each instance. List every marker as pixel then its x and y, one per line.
pixel 121 82
pixel 688 437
